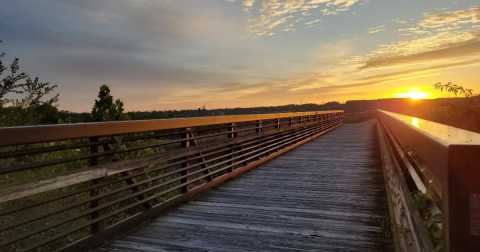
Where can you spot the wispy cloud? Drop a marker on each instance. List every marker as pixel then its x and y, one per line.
pixel 420 70
pixel 453 18
pixel 446 51
pixel 248 3
pixel 313 22
pixel 398 21
pixel 273 11
pixel 376 29
pixel 327 12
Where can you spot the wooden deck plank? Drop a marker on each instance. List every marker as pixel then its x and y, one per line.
pixel 317 197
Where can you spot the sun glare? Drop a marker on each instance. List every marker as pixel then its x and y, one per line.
pixel 413 94
pixel 417 95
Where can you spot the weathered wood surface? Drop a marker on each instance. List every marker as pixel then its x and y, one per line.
pixel 317 197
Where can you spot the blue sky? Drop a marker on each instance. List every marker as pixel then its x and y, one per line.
pixel 181 54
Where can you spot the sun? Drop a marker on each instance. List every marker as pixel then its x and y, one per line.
pixel 413 94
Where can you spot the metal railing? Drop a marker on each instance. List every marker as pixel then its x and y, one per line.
pixel 442 162
pixel 73 187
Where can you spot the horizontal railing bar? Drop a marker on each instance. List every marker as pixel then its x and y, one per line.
pixel 427 174
pixel 413 174
pixel 11 136
pixel 60 222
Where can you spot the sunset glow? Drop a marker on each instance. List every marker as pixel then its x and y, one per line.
pixel 183 54
pixel 415 95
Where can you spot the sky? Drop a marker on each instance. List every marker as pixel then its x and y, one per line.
pixel 183 54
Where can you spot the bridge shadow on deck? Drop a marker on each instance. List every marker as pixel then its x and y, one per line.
pixel 317 197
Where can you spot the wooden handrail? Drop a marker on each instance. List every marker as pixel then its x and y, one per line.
pixel 49 133
pixel 447 160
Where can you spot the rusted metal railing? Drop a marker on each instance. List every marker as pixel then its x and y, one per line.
pixel 441 162
pixel 75 186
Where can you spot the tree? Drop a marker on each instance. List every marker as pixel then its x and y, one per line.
pixel 105 109
pixel 30 109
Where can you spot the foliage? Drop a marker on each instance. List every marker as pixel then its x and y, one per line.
pixel 30 108
pixel 422 202
pixel 470 111
pixel 386 225
pixel 105 109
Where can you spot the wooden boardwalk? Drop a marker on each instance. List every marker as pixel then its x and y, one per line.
pixel 317 197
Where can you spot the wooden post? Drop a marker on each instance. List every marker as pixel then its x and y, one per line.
pixel 185 144
pixel 232 128
pixel 100 225
pixel 259 129
pixel 461 199
pixel 277 127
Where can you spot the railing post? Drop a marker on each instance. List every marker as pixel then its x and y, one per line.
pixel 100 225
pixel 232 129
pixel 185 144
pixel 461 199
pixel 277 127
pixel 259 129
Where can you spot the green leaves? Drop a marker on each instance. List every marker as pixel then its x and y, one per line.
pixel 386 226
pixel 31 108
pixel 437 218
pixel 454 88
pixel 470 112
pixel 118 139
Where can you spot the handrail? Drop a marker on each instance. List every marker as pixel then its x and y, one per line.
pixel 447 160
pixel 77 186
pixel 50 133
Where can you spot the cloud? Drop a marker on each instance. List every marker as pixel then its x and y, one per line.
pixel 398 21
pixel 271 11
pixel 342 5
pixel 457 50
pixel 416 30
pixel 308 7
pixel 435 47
pixel 327 12
pixel 248 3
pixel 376 29
pixel 313 22
pixel 420 70
pixel 453 18
pixel 318 1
